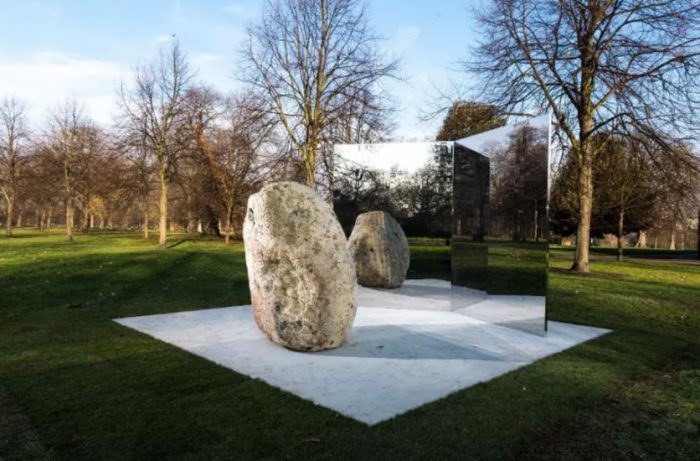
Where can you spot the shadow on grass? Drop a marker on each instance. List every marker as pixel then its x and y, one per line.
pixel 178 243
pixel 594 275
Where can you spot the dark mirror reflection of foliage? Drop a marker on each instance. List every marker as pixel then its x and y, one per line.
pixel 519 186
pixel 466 118
pixel 421 201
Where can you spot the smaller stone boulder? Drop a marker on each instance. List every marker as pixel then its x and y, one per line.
pixel 380 250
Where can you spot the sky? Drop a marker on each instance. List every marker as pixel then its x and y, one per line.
pixel 50 50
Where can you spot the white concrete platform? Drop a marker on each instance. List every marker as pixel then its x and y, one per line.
pixel 526 313
pixel 395 359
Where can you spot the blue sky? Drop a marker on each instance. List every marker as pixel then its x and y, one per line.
pixel 53 49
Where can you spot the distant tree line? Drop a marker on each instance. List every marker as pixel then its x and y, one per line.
pixel 652 198
pixel 183 155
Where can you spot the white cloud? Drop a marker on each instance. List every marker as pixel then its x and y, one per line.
pixel 48 77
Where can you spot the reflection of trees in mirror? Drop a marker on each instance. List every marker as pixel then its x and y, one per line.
pixel 467 118
pixel 519 186
pixel 500 225
pixel 420 201
pixel 470 201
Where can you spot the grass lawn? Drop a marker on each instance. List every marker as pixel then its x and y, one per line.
pixel 76 386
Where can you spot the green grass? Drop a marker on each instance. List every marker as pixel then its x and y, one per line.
pixel 76 386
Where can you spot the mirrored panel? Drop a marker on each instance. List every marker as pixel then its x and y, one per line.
pixel 499 225
pixel 410 181
pixel 474 212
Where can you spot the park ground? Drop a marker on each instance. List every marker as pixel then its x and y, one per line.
pixel 76 386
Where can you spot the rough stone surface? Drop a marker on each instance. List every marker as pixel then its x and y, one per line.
pixel 302 278
pixel 380 250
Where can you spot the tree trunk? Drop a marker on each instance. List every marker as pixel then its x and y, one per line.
pixel 8 223
pixel 37 218
pixel 42 223
pixel 683 240
pixel 20 215
pixel 49 217
pixel 145 225
pixel 70 212
pixel 537 237
pixel 86 221
pixel 309 159
pixel 229 213
pixel 585 192
pixel 191 224
pixel 163 212
pixel 642 240
pixel 620 230
pixel 672 246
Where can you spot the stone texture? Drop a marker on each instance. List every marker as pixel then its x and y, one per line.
pixel 380 250
pixel 302 277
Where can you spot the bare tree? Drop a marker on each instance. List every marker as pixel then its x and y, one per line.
pixel 312 60
pixel 99 178
pixel 679 190
pixel 72 140
pixel 153 113
pixel 141 173
pixel 13 140
pixel 204 107
pixel 613 66
pixel 115 186
pixel 627 192
pixel 228 135
pixel 41 182
pixel 138 175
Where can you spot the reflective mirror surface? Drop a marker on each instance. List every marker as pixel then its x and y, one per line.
pixel 475 214
pixel 412 182
pixel 499 225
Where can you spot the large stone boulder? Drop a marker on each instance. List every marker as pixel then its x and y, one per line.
pixel 380 250
pixel 302 278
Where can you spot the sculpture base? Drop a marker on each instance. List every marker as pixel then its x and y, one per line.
pixel 395 359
